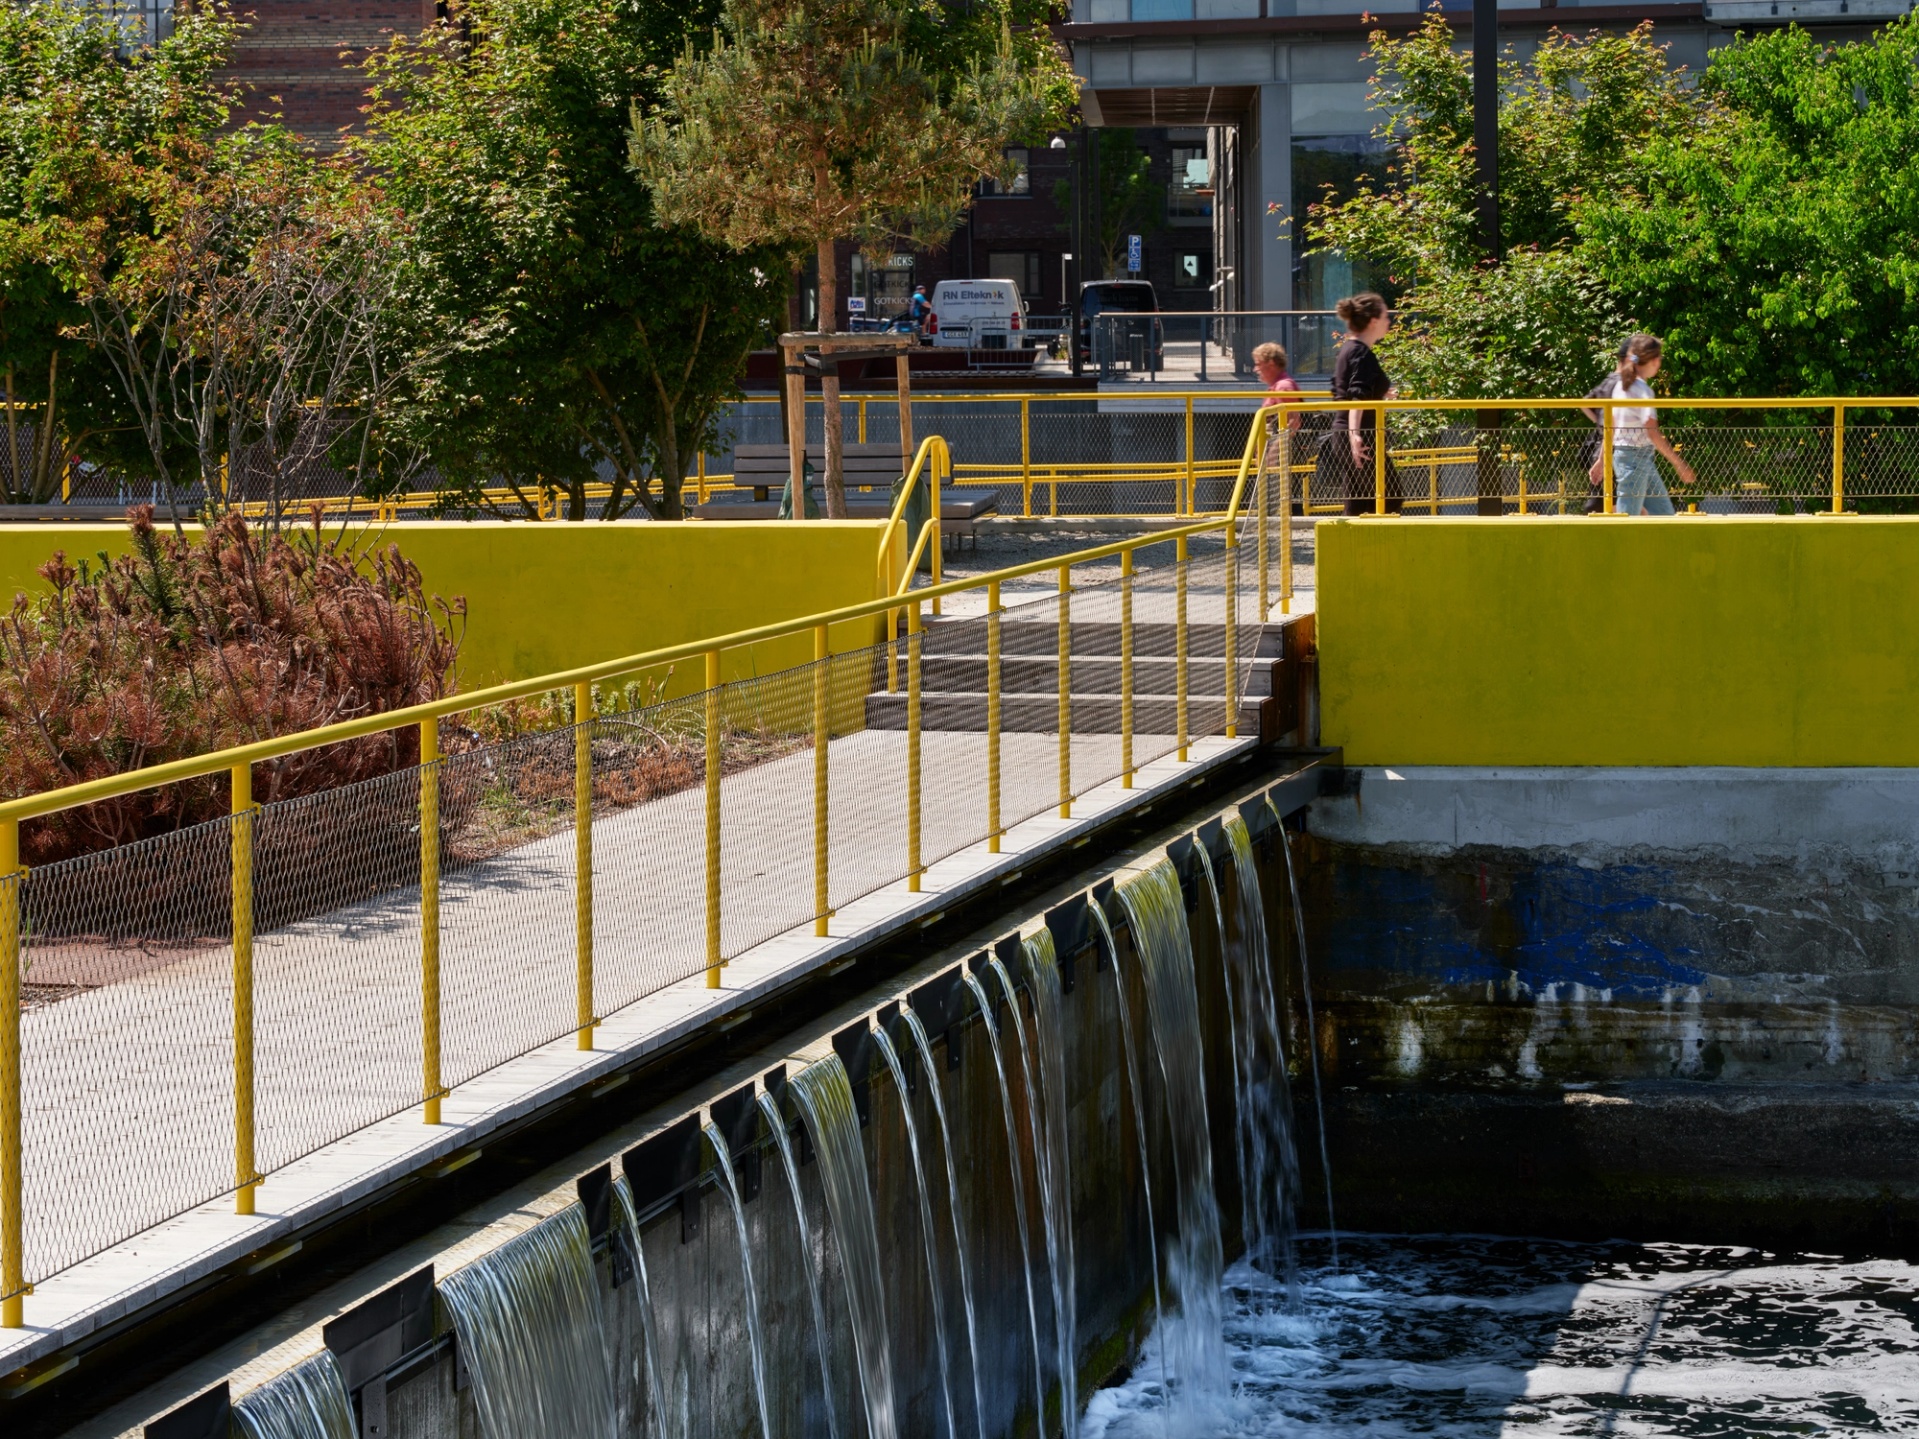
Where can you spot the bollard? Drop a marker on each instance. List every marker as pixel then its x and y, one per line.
pixel 714 741
pixel 583 860
pixel 244 1177
pixel 431 1088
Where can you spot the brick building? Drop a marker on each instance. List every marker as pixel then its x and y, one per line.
pixel 299 58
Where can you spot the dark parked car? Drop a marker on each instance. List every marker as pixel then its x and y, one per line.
pixel 1118 344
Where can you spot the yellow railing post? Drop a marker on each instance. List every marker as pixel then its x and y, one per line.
pixel 1839 459
pixel 1229 632
pixel 913 747
pixel 431 1088
pixel 1379 461
pixel 822 737
pixel 1192 482
pixel 941 467
pixel 13 1267
pixel 862 403
pixel 1026 452
pixel 714 742
pixel 1180 555
pixel 583 859
pixel 702 474
pixel 245 1176
pixel 1126 670
pixel 1263 498
pixel 1065 691
pixel 1286 519
pixel 1605 458
pixel 992 716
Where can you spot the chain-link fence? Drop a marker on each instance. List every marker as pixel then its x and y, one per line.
pixel 200 1009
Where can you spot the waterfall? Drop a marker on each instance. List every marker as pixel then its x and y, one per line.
pixel 925 1048
pixel 307 1402
pixel 825 1097
pixel 936 1294
pixel 1018 1175
pixel 1234 1049
pixel 627 1233
pixel 1312 1029
pixel 1268 1156
pixel 1046 1075
pixel 755 1332
pixel 1139 1115
pixel 770 1107
pixel 1193 1338
pixel 530 1328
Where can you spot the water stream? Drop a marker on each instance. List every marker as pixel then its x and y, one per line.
pixel 936 1294
pixel 770 1107
pixel 1194 1350
pixel 755 1328
pixel 1017 1172
pixel 825 1097
pixel 531 1332
pixel 1053 1147
pixel 1139 1116
pixel 627 1233
pixel 309 1401
pixel 925 1048
pixel 1312 1028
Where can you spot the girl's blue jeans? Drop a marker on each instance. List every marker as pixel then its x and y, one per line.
pixel 1636 483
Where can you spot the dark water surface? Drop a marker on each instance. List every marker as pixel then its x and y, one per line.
pixel 1475 1337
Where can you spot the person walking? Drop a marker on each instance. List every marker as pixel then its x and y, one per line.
pixel 1636 437
pixel 1358 375
pixel 918 306
pixel 1269 363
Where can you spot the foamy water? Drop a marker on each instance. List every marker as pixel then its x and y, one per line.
pixel 1470 1338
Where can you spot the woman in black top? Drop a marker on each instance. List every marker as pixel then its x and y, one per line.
pixel 1358 375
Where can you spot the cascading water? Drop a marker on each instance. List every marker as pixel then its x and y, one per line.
pixel 755 1332
pixel 1268 1155
pixel 825 1097
pixel 1312 1029
pixel 1237 1054
pixel 1017 1172
pixel 628 1234
pixel 307 1402
pixel 770 1107
pixel 936 1293
pixel 1046 1076
pixel 530 1328
pixel 1139 1112
pixel 1192 1338
pixel 925 1048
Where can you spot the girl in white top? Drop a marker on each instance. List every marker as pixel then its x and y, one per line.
pixel 1637 487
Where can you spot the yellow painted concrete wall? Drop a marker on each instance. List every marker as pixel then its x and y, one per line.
pixel 547 597
pixel 1685 641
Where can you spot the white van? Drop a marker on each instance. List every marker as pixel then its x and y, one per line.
pixel 980 314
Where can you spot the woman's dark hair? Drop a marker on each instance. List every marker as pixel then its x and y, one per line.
pixel 1359 311
pixel 1638 349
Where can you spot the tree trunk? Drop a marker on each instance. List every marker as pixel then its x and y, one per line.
pixel 13 439
pixel 672 469
pixel 830 392
pixel 44 470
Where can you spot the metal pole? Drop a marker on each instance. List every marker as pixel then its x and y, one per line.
pixel 1179 642
pixel 13 1275
pixel 1065 691
pixel 992 716
pixel 822 736
pixel 1192 482
pixel 1286 520
pixel 714 741
pixel 913 747
pixel 1262 499
pixel 1379 462
pixel 1839 459
pixel 862 405
pixel 940 465
pixel 1026 452
pixel 1605 455
pixel 431 1088
pixel 1230 632
pixel 1126 670
pixel 583 858
pixel 245 1178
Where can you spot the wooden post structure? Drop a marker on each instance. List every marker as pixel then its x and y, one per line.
pixel 837 348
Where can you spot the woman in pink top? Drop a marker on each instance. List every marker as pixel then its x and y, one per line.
pixel 1269 362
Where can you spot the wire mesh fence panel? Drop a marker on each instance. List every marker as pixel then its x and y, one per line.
pixel 126 1041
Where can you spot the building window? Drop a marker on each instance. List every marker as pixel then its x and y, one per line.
pixel 1189 198
pixel 1319 163
pixel 1192 270
pixel 887 288
pixel 142 22
pixel 1022 267
pixel 1022 181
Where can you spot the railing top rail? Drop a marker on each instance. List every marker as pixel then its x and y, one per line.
pixel 1762 402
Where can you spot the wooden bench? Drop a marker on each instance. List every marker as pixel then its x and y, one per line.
pixel 870 472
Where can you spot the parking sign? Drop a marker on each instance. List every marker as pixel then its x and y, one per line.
pixel 1132 254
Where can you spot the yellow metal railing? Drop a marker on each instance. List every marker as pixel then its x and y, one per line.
pixel 896 593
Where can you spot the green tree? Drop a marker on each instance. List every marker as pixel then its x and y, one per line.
pixel 813 121
pixel 73 94
pixel 1574 121
pixel 1772 243
pixel 582 336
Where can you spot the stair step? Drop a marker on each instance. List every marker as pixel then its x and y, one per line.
pixel 1098 675
pixel 1097 637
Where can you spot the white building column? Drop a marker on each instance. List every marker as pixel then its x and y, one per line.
pixel 1266 179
